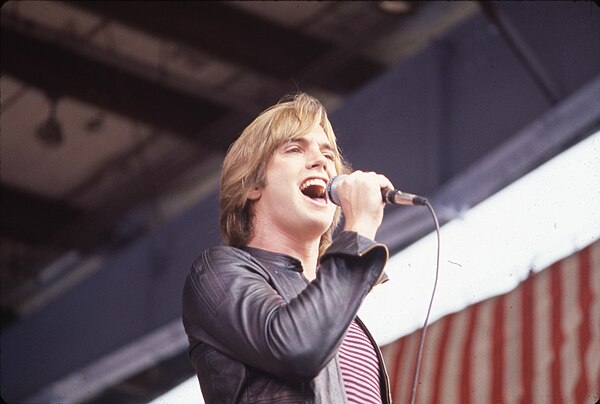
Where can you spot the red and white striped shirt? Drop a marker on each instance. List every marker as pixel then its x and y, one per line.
pixel 360 367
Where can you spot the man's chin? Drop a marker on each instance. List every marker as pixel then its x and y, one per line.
pixel 318 227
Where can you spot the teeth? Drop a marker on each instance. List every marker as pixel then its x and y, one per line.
pixel 313 181
pixel 314 188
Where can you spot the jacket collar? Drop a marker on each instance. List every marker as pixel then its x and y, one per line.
pixel 272 258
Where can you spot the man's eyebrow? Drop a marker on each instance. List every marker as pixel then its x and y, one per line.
pixel 303 141
pixel 327 146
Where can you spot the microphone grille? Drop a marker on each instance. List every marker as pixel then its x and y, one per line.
pixel 331 190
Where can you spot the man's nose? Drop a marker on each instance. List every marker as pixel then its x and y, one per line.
pixel 315 158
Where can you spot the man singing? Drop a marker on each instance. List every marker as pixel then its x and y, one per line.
pixel 271 315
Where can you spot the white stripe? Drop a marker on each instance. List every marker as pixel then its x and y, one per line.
pixel 452 368
pixel 389 352
pixel 570 320
pixel 359 376
pixel 513 387
pixel 542 337
pixel 430 362
pixel 482 358
pixel 407 367
pixel 592 358
pixel 356 359
pixel 362 397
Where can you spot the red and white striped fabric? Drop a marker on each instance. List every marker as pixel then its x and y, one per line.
pixel 539 343
pixel 360 367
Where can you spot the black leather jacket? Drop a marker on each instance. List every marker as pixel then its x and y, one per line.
pixel 260 333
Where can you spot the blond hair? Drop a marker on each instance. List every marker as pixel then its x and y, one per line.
pixel 244 167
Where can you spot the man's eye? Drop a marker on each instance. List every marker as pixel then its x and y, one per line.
pixel 294 149
pixel 329 156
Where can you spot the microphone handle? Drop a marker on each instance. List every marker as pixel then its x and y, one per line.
pixel 395 197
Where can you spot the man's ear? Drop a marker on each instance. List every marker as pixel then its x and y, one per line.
pixel 254 194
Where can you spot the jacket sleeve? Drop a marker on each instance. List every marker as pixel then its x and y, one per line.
pixel 232 307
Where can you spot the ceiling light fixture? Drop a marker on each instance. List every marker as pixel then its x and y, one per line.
pixel 95 123
pixel 50 131
pixel 395 6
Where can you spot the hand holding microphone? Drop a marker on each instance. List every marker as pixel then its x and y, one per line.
pixel 362 196
pixel 389 195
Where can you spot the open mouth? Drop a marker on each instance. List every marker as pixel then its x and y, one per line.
pixel 314 188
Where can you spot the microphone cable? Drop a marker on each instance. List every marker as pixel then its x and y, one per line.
pixel 424 329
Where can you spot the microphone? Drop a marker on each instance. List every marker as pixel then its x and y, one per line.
pixel 391 196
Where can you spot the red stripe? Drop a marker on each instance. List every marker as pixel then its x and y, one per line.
pixel 467 354
pixel 498 351
pixel 397 373
pixel 585 332
pixel 557 336
pixel 527 307
pixel 441 361
pixel 359 367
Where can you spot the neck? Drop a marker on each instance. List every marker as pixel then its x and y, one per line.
pixel 307 251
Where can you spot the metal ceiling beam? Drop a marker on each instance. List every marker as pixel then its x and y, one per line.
pixel 240 38
pixel 33 218
pixel 61 65
pixel 523 51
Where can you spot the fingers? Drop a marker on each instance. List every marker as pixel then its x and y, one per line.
pixel 367 184
pixel 361 201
